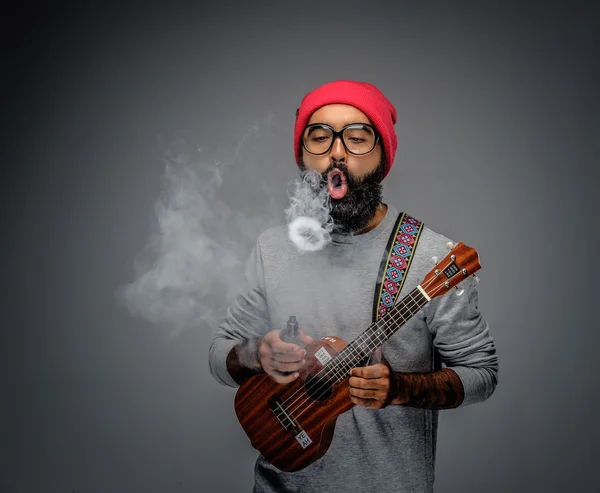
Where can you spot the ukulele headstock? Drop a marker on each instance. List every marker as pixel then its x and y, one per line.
pixel 461 262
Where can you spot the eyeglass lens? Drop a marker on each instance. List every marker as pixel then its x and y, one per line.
pixel 358 139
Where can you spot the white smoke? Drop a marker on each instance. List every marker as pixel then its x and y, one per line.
pixel 192 266
pixel 308 215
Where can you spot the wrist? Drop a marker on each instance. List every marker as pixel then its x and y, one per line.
pixel 402 389
pixel 243 362
pixel 257 365
pixel 441 389
pixel 248 354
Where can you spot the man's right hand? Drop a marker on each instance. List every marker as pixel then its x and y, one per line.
pixel 278 358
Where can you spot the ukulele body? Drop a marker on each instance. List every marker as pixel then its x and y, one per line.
pixel 292 425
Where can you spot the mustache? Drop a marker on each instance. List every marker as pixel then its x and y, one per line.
pixel 340 165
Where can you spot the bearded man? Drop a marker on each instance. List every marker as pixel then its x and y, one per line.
pixel 442 358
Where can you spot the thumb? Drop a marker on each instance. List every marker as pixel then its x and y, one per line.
pixel 376 357
pixel 304 337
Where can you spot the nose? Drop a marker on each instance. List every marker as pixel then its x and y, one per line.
pixel 338 150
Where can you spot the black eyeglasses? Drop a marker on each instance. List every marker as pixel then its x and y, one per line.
pixel 358 138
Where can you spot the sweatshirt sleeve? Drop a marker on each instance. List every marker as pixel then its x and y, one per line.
pixel 463 340
pixel 247 318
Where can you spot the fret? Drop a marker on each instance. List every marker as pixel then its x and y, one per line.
pixel 356 353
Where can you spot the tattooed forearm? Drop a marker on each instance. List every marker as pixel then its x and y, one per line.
pixel 438 390
pixel 242 361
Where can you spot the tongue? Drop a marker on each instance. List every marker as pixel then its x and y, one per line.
pixel 336 184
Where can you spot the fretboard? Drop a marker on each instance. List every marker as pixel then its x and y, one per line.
pixel 357 352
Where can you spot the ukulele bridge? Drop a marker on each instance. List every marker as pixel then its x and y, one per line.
pixel 287 420
pixel 282 414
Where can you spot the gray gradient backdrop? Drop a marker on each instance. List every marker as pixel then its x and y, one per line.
pixel 498 129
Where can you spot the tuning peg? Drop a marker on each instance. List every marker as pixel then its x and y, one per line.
pixel 459 291
pixel 435 260
pixel 476 278
pixel 449 245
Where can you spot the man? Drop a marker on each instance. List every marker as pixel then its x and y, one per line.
pixel 442 358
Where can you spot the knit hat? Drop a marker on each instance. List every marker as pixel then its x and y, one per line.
pixel 366 97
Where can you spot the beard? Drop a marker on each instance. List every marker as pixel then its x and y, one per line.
pixel 354 211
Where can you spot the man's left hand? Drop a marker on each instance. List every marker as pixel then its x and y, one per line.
pixel 373 386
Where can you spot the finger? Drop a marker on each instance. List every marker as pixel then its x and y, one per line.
pixel 273 341
pixel 267 354
pixel 376 356
pixel 364 393
pixel 280 346
pixel 286 367
pixel 304 337
pixel 374 371
pixel 281 378
pixel 277 364
pixel 288 357
pixel 367 383
pixel 272 366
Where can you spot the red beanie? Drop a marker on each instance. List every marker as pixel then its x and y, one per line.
pixel 366 97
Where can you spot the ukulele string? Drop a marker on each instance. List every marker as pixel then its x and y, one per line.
pixel 326 386
pixel 332 370
pixel 339 373
pixel 310 404
pixel 337 369
pixel 341 361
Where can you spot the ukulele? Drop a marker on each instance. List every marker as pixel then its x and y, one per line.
pixel 292 424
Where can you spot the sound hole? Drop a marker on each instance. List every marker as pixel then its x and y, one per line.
pixel 319 388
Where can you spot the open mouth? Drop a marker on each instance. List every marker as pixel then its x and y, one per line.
pixel 336 184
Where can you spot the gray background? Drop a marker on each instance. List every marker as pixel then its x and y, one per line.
pixel 498 130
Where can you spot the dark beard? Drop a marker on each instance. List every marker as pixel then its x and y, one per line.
pixel 353 212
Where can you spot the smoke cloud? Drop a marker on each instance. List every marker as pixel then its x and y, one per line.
pixel 191 268
pixel 308 215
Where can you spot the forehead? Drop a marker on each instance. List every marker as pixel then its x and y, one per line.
pixel 338 115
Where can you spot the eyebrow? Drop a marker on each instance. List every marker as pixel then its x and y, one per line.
pixel 314 129
pixel 316 125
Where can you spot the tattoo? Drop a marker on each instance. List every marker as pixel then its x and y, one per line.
pixel 242 361
pixel 441 389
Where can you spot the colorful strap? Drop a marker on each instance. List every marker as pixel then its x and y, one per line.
pixel 395 263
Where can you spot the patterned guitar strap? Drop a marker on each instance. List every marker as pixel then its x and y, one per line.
pixel 395 263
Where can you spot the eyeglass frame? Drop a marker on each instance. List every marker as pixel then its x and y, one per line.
pixel 339 134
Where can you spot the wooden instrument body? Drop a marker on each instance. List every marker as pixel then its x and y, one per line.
pixel 316 417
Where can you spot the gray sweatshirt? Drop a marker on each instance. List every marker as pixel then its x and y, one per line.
pixel 331 293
